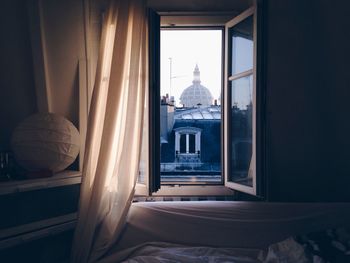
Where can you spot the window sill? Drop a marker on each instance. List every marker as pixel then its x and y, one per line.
pixel 59 179
pixel 192 190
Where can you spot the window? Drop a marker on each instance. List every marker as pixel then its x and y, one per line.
pixel 240 91
pixel 177 143
pixel 190 110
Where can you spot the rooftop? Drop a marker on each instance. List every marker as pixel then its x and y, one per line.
pixel 212 112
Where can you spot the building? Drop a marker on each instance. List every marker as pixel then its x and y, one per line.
pixel 196 94
pixel 191 135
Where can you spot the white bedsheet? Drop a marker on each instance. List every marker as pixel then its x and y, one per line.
pixel 153 252
pixel 248 225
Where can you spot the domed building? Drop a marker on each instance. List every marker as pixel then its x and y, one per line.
pixel 196 94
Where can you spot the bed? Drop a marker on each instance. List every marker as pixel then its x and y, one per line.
pixel 221 231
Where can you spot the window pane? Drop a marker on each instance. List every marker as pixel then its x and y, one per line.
pixel 183 143
pixel 241 130
pixel 190 126
pixel 242 46
pixel 192 143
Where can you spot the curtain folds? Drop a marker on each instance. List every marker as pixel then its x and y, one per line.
pixel 113 142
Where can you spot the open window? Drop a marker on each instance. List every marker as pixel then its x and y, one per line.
pixel 198 140
pixel 240 103
pixel 190 108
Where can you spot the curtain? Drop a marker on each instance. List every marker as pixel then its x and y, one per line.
pixel 113 142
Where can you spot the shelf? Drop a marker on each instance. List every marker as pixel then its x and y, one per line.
pixel 24 233
pixel 59 179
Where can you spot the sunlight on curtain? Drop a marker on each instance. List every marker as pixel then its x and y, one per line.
pixel 114 132
pixel 102 98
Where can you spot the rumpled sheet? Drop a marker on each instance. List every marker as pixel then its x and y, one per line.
pixel 212 231
pixel 227 224
pixel 154 252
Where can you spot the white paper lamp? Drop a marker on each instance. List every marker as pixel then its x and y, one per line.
pixel 45 142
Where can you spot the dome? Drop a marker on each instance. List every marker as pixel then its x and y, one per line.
pixel 196 93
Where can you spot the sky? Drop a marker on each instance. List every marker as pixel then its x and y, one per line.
pixel 186 48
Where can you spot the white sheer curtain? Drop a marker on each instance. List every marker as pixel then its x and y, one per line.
pixel 114 131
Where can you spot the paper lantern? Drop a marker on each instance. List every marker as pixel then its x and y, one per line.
pixel 45 142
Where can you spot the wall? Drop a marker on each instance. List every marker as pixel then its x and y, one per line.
pixel 307 87
pixel 200 5
pixel 17 91
pixel 307 94
pixel 63 27
pixel 97 12
pixel 63 24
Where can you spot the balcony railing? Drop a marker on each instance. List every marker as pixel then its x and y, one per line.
pixel 188 157
pixel 194 167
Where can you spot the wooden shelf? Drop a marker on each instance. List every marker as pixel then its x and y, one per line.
pixel 59 179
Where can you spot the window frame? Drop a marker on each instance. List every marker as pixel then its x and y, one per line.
pixel 214 20
pixel 229 77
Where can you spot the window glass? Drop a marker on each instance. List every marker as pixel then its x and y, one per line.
pixel 182 143
pixel 242 92
pixel 242 46
pixel 241 129
pixel 191 143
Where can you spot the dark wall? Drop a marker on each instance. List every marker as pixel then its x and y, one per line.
pixel 63 24
pixel 307 95
pixel 17 101
pixel 17 91
pixel 63 29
